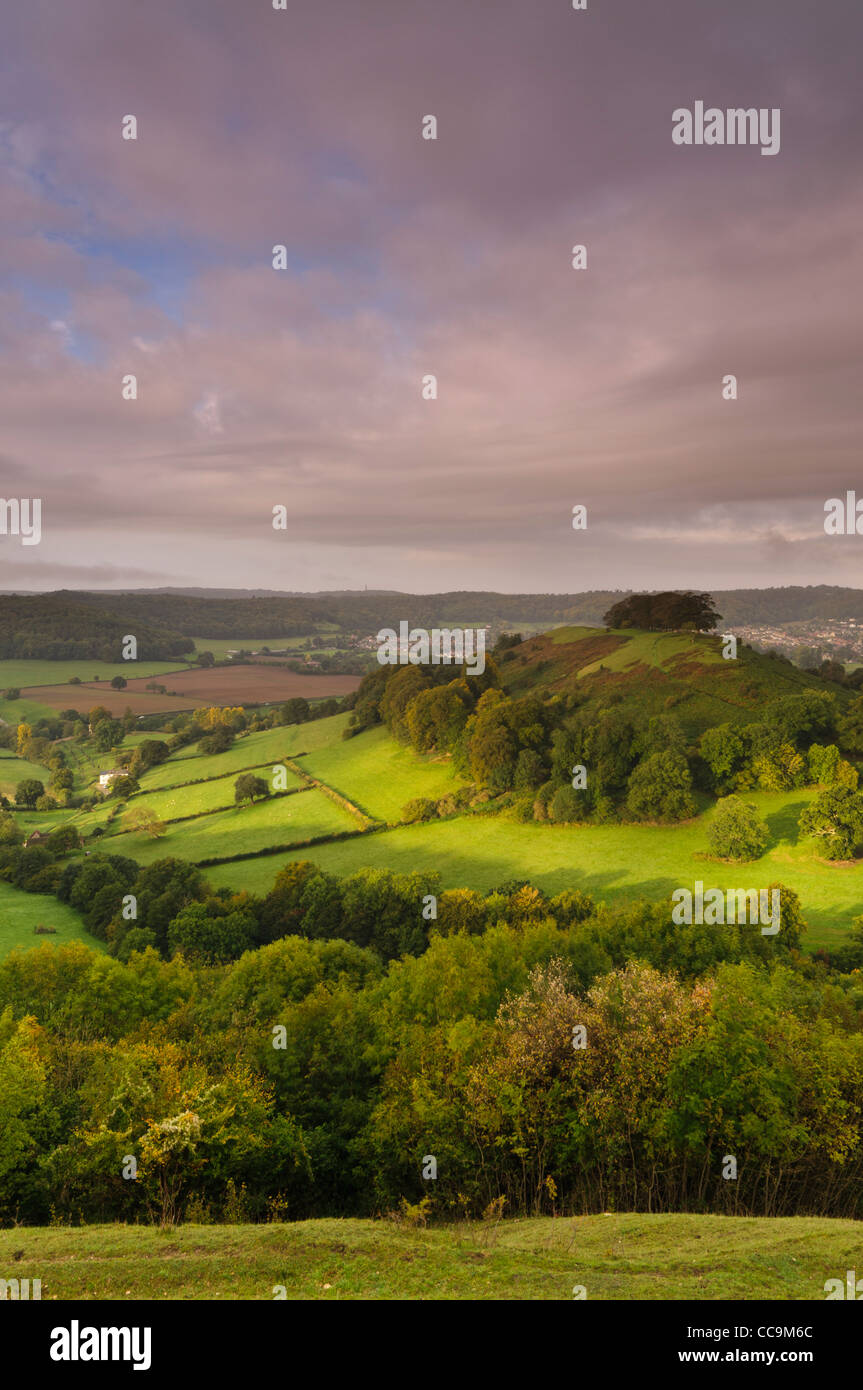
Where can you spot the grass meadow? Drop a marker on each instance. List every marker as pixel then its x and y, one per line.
pixel 207 796
pixel 614 1257
pixel 614 863
pixel 283 820
pixel 378 774
pixel 17 673
pixel 21 912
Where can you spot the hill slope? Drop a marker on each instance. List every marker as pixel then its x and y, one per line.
pixel 656 671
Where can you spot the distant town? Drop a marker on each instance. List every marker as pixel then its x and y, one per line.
pixel 808 643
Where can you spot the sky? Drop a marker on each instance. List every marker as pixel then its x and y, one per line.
pixel 302 388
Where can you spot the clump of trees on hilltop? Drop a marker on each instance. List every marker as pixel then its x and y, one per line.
pixel 686 611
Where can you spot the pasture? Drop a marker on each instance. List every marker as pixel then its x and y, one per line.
pixel 21 912
pixel 20 672
pixel 205 796
pixel 380 775
pixel 250 750
pixel 613 863
pixel 282 820
pixel 14 770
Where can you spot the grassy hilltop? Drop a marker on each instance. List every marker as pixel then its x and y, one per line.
pixel 652 672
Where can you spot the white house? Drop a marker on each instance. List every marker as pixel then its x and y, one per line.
pixel 106 778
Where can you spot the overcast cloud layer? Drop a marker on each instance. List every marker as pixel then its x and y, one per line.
pixel 407 257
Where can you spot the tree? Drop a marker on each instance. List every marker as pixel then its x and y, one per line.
pixel 660 788
pixel 737 831
pixel 123 787
pixel 107 734
pixel 64 839
pixel 27 793
pixel 836 817
pixel 12 694
pixel 148 754
pixel 664 612
pixel 567 805
pixel 724 749
pixel 200 930
pixel 827 769
pixel 10 831
pixel 218 741
pixel 247 787
pixel 141 819
pixel 295 711
pixel 119 682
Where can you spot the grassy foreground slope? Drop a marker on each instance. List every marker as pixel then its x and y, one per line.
pixel 612 1257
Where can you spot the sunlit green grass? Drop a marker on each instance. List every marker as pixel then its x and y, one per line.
pixel 614 863
pixel 282 820
pixel 249 750
pixel 208 796
pixel 379 774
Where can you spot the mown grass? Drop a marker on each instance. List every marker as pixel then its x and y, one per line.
pixel 614 863
pixel 21 912
pixel 613 1257
pixel 379 774
pixel 283 820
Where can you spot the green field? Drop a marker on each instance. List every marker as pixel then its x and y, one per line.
pixel 250 750
pixel 24 711
pixel 620 1257
pixel 378 774
pixel 284 820
pixel 614 863
pixel 15 673
pixel 208 796
pixel 14 770
pixel 21 912
pixel 220 646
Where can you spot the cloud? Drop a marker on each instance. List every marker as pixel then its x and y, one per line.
pixel 406 257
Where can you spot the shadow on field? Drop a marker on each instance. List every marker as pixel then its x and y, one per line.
pixel 782 824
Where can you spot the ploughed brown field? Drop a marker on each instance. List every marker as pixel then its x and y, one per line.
pixel 230 685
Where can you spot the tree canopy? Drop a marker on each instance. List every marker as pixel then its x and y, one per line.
pixel 667 612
